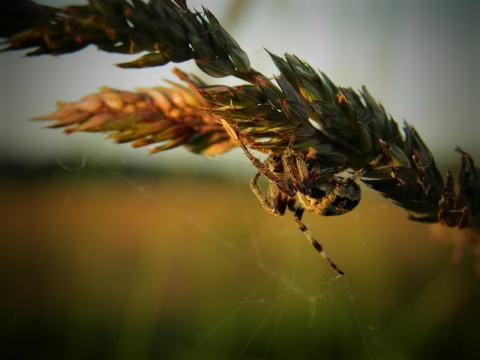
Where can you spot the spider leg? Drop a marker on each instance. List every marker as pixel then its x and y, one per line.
pixel 296 167
pixel 297 170
pixel 358 174
pixel 275 204
pixel 298 213
pixel 280 183
pixel 463 219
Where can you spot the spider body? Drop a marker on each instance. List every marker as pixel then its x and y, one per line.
pixel 331 198
pixel 298 185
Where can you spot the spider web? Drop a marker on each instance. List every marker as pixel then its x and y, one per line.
pixel 186 286
pixel 112 262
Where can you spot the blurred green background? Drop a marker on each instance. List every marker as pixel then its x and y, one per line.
pixel 109 263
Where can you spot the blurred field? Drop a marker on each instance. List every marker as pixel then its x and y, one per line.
pixel 191 267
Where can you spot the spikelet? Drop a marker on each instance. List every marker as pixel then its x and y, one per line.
pixel 333 125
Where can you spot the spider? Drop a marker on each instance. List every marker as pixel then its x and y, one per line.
pixel 299 186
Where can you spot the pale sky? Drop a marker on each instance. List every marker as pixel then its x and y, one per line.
pixel 420 59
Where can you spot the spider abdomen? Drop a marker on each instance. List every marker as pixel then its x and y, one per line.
pixel 331 198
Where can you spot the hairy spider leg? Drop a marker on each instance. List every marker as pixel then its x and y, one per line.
pixel 358 174
pixel 276 204
pixel 268 174
pixel 298 213
pixel 297 169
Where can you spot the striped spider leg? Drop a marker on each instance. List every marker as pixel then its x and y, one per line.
pixel 297 186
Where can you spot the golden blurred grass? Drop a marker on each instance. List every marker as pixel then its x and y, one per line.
pixel 193 267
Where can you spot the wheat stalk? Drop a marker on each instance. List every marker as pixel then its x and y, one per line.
pixel 336 125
